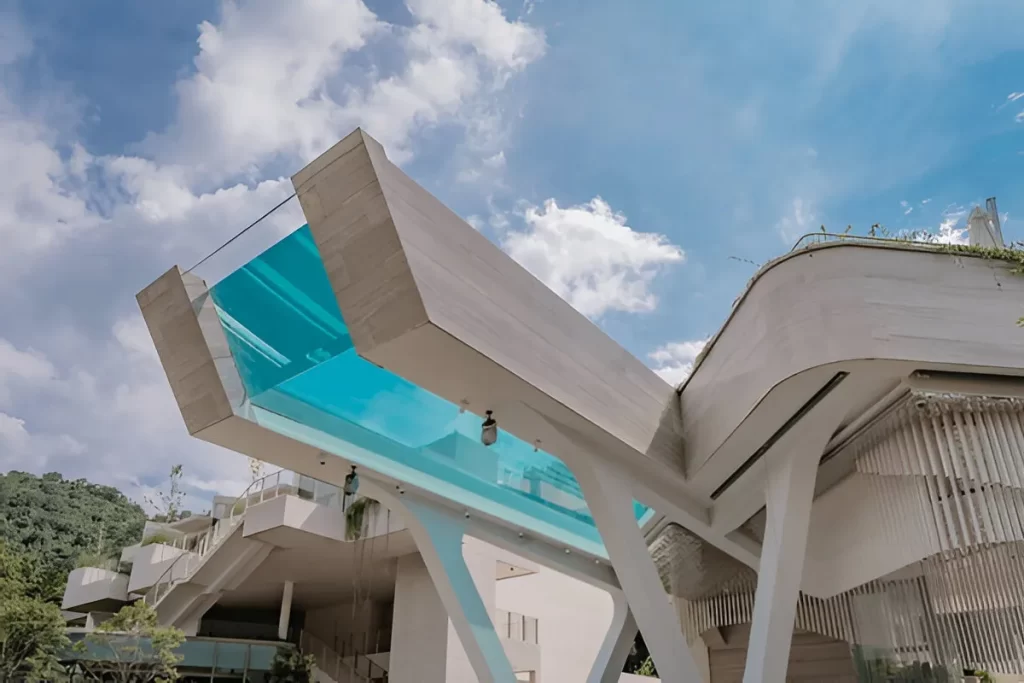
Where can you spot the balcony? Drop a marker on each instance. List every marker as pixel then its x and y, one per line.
pixel 150 562
pixel 284 503
pixel 91 589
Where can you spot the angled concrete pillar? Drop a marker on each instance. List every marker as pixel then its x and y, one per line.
pixel 617 643
pixel 611 504
pixel 439 537
pixel 284 619
pixel 790 472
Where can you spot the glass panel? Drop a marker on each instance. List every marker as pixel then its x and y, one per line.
pixel 198 654
pixel 231 657
pixel 306 486
pixel 305 380
pixel 277 221
pixel 261 657
pixel 531 630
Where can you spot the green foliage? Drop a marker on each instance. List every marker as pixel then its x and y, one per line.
pixel 31 629
pixel 291 666
pixel 57 520
pixel 355 517
pixel 647 668
pixel 92 558
pixel 132 647
pixel 639 659
pixel 168 503
pixel 871 668
pixel 158 537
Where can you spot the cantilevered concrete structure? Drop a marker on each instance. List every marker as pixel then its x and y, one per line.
pixel 856 416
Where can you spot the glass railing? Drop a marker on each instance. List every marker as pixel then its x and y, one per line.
pixel 515 626
pixel 286 483
pixel 278 220
pixel 198 545
pixel 902 239
pixel 224 656
pixel 186 564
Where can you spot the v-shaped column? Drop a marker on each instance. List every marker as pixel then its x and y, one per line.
pixel 791 468
pixel 438 534
pixel 617 644
pixel 611 505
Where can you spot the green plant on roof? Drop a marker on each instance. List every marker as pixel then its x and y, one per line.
pixel 356 521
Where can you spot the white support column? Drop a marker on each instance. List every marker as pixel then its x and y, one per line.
pixel 790 471
pixel 438 535
pixel 789 492
pixel 286 610
pixel 617 643
pixel 611 504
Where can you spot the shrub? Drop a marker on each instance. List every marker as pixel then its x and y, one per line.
pixel 157 537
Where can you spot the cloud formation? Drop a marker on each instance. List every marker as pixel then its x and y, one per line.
pixel 590 256
pixel 674 361
pixel 273 85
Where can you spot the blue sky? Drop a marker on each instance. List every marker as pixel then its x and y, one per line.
pixel 637 157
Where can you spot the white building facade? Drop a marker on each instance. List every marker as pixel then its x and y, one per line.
pixel 852 434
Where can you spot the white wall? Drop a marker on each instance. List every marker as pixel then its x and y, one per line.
pixel 573 618
pixel 419 633
pixel 90 584
pixel 149 564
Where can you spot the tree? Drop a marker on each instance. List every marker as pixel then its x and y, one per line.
pixel 132 647
pixel 31 629
pixel 57 520
pixel 255 470
pixel 168 503
pixel 291 666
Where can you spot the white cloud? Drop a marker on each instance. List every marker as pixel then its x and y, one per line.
pixel 22 449
pixel 260 84
pixel 19 367
pixel 42 203
pixel 269 83
pixel 1019 118
pixel 480 23
pixel 272 87
pixel 1014 96
pixel 674 361
pixel 949 232
pixel 126 425
pixel 799 220
pixel 590 257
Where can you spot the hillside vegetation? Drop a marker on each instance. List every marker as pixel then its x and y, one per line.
pixel 57 520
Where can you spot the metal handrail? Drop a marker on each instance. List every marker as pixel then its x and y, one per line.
pixel 259 491
pixel 211 539
pixel 902 240
pixel 330 661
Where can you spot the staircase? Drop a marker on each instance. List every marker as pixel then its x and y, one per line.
pixel 334 667
pixel 196 579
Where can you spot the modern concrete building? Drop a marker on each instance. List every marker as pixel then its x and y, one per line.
pixel 283 565
pixel 834 492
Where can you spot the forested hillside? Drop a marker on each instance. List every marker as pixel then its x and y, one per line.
pixel 57 520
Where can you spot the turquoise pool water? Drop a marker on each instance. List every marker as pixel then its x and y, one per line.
pixel 304 378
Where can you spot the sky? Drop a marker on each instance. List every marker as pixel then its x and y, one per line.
pixel 639 158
